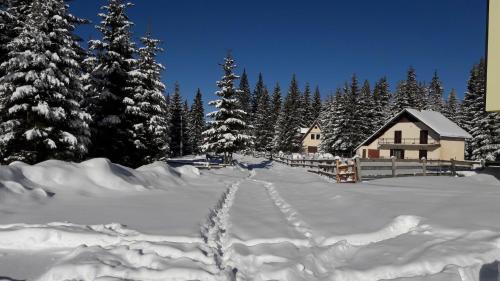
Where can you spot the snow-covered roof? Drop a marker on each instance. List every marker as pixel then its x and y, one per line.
pixel 443 126
pixel 439 123
pixel 304 130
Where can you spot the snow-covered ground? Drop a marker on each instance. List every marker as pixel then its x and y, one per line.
pixel 256 221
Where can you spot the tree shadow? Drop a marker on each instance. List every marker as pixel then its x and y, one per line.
pixel 5 278
pixel 262 165
pixel 492 171
pixel 490 272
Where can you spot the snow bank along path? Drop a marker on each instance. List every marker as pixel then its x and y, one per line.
pixel 233 242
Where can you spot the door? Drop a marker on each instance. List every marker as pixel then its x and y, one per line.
pixel 422 154
pixel 398 153
pixel 424 137
pixel 373 153
pixel 312 149
pixel 397 136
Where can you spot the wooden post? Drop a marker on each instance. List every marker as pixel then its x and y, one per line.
pixel 424 166
pixel 357 163
pixel 453 167
pixel 393 166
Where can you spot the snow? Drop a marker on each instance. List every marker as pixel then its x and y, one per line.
pixel 259 220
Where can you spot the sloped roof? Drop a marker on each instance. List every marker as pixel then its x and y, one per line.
pixel 439 123
pixel 443 126
pixel 315 123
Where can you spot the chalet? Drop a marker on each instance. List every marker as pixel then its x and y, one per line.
pixel 311 138
pixel 414 134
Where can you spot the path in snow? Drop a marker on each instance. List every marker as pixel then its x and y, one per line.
pixel 273 222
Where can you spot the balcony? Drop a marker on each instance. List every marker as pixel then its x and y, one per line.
pixel 407 143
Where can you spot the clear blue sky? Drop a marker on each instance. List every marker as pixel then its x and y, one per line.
pixel 323 42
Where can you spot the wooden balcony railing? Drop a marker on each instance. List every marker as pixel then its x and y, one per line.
pixel 407 141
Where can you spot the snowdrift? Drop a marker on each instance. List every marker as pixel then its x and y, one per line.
pixel 50 177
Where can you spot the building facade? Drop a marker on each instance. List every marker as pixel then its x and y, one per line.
pixel 414 134
pixel 311 138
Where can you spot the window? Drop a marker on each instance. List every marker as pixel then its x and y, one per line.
pixel 397 136
pixel 398 153
pixel 312 136
pixel 364 153
pixel 422 154
pixel 424 137
pixel 315 127
pixel 318 136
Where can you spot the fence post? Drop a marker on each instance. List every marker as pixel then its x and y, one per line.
pixel 424 166
pixel 453 167
pixel 357 163
pixel 393 166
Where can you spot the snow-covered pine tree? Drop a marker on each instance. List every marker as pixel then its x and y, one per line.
pixel 227 129
pixel 306 107
pixel 366 109
pixel 327 120
pixel 264 127
pixel 197 123
pixel 177 129
pixel 149 109
pixel 435 98
pixel 382 102
pixel 409 94
pixel 335 124
pixel 400 99
pixel 287 136
pixel 41 89
pixel 316 104
pixel 422 97
pixel 354 130
pixel 452 107
pixel 187 147
pixel 245 97
pixel 257 93
pixel 113 78
pixel 483 126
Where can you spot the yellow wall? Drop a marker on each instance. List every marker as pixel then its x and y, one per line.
pixel 308 141
pixel 493 85
pixel 450 148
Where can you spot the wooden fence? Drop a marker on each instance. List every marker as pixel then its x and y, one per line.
pixel 382 168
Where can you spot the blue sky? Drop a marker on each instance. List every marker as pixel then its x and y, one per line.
pixel 323 42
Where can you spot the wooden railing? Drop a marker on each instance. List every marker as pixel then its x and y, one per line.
pixel 407 141
pixel 383 168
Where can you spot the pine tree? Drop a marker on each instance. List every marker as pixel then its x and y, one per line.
pixel 306 108
pixel 227 130
pixel 354 131
pixel 275 107
pixel 187 146
pixel 257 93
pixel 264 129
pixel 409 94
pixel 177 129
pixel 483 126
pixel 366 110
pixel 287 137
pixel 148 112
pixel 197 123
pixel 435 100
pixel 452 107
pixel 113 78
pixel 334 125
pixel 382 102
pixel 316 104
pixel 245 96
pixel 41 88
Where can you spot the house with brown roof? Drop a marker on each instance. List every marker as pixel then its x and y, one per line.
pixel 311 138
pixel 414 134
